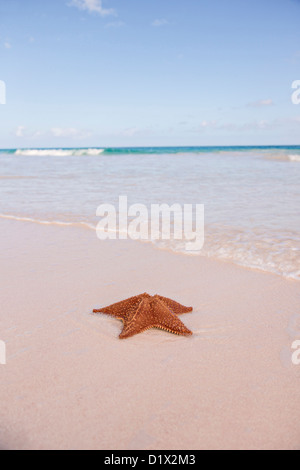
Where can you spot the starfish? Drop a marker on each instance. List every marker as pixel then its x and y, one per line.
pixel 142 312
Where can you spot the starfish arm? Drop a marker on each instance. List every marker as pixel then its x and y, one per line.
pixel 123 309
pixel 166 320
pixel 138 322
pixel 174 306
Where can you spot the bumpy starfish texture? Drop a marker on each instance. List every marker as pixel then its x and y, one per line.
pixel 142 312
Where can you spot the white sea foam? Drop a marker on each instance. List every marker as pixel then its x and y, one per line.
pixel 278 253
pixel 283 157
pixel 89 152
pixel 47 222
pixel 58 152
pixel 56 222
pixel 294 158
pixel 258 259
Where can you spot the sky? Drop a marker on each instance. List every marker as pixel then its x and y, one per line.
pixel 110 73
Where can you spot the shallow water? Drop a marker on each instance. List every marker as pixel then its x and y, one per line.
pixel 251 195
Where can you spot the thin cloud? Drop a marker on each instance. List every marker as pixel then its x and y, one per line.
pixel 130 132
pixel 159 22
pixel 252 126
pixel 261 103
pixel 294 59
pixel 258 125
pixel 115 24
pixel 20 131
pixel 208 124
pixel 7 45
pixel 37 134
pixel 56 132
pixel 92 6
pixel 70 132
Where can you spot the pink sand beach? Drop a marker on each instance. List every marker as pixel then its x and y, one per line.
pixel 70 383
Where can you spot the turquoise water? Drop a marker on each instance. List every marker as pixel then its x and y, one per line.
pixel 144 150
pixel 251 194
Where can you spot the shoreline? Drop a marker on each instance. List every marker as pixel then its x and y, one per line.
pixel 69 382
pixel 89 226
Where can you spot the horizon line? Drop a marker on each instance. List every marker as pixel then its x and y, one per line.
pixel 152 146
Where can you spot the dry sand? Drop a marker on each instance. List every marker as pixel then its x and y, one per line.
pixel 70 383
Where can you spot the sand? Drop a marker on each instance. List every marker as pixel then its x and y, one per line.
pixel 70 383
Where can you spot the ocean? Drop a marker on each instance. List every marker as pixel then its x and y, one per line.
pixel 251 194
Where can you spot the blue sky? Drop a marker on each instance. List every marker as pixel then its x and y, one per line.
pixel 149 72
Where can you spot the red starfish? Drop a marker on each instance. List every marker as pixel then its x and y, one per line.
pixel 144 311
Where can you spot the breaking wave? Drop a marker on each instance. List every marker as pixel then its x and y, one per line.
pixel 92 152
